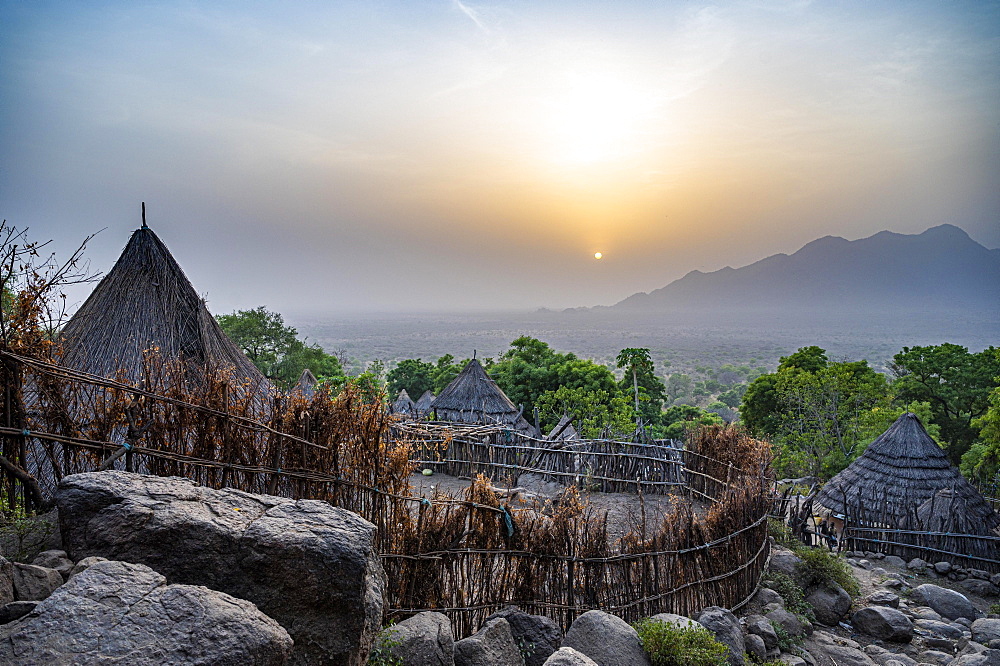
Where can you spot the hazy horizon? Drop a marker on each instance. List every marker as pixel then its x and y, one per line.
pixel 472 157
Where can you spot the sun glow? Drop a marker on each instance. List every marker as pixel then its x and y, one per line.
pixel 598 255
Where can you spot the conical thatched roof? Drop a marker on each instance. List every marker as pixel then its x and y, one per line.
pixel 563 431
pixel 306 384
pixel 146 301
pixel 403 404
pixel 947 511
pixel 472 397
pixel 424 403
pixel 901 470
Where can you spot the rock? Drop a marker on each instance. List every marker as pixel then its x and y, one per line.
pixel 935 657
pixel 942 567
pixel 979 573
pixel 792 660
pixel 788 563
pixel 767 596
pixel 758 625
pixel 310 566
pixel 676 620
pixel 426 639
pixel 939 629
pixel 895 561
pixel 493 645
pixel 830 603
pixel 916 563
pixel 608 640
pixel 726 628
pixel 864 564
pixel 836 650
pixel 536 636
pixel 883 598
pixel 755 646
pixel 86 563
pixel 982 588
pixel 15 610
pixel 925 613
pixel 33 583
pixel 884 657
pixel 6 581
pixel 883 622
pixel 567 656
pixel 948 603
pixel 985 630
pixel 790 622
pixel 893 583
pixel 54 559
pixel 995 579
pixel 123 613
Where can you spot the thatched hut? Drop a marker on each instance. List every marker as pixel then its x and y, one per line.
pixel 306 386
pixel 563 431
pixel 899 472
pixel 144 302
pixel 403 405
pixel 472 397
pixel 424 403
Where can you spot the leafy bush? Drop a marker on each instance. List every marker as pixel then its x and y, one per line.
pixel 786 642
pixel 823 566
pixel 669 645
pixel 381 654
pixel 790 593
pixel 782 534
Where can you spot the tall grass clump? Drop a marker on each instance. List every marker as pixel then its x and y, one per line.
pixel 670 645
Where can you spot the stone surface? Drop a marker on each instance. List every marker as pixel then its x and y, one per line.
pixel 790 622
pixel 677 620
pixel 33 583
pixel 310 566
pixel 726 628
pixel 54 559
pixel 884 623
pixel 758 625
pixel 792 660
pixel 885 657
pixel 948 603
pixel 980 587
pixel 895 561
pixel 755 647
pixel 16 609
pixel 939 629
pixel 884 598
pixel 831 650
pixel 788 563
pixel 123 613
pixel 535 635
pixel 493 645
pixel 830 603
pixel 86 563
pixel 942 567
pixel 925 613
pixel 767 596
pixel 608 640
pixel 934 657
pixel 567 656
pixel 985 630
pixel 426 639
pixel 916 563
pixel 6 581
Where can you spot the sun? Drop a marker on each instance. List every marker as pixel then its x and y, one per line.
pixel 598 255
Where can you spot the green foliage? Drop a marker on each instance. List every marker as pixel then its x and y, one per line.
pixel 956 383
pixel 669 645
pixel 23 537
pixel 790 593
pixel 678 420
pixel 594 413
pixel 985 463
pixel 786 642
pixel 275 348
pixel 445 371
pixel 823 566
pixel 381 654
pixel 412 375
pixel 640 379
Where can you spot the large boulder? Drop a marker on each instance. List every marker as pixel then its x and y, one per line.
pixel 675 620
pixel 567 656
pixel 123 613
pixel 33 583
pixel 493 645
pixel 884 623
pixel 310 566
pixel 789 564
pixel 607 639
pixel 726 628
pixel 54 559
pixel 6 581
pixel 536 635
pixel 830 603
pixel 948 603
pixel 985 630
pixel 426 639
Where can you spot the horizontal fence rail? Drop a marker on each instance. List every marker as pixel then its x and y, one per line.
pixel 466 556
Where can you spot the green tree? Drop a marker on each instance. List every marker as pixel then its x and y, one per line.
pixel 413 375
pixel 677 420
pixel 640 378
pixel 956 383
pixel 983 458
pixel 594 413
pixel 445 371
pixel 761 409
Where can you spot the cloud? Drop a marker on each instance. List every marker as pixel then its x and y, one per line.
pixel 472 14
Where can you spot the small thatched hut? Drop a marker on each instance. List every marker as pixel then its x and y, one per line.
pixel 146 301
pixel 403 405
pixel 563 431
pixel 424 403
pixel 472 397
pixel 900 471
pixel 306 385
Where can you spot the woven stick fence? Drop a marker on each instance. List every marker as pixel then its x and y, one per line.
pixel 464 556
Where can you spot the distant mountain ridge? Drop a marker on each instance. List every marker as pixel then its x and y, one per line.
pixel 939 269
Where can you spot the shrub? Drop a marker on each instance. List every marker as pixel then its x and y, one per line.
pixel 825 567
pixel 669 645
pixel 381 654
pixel 782 535
pixel 786 642
pixel 790 593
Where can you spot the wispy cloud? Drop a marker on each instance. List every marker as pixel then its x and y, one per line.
pixel 472 14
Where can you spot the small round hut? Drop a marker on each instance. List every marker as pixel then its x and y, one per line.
pixel 472 397
pixel 424 403
pixel 403 405
pixel 306 386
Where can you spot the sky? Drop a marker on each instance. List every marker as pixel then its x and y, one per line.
pixel 460 156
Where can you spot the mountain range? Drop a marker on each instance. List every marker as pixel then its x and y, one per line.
pixel 941 269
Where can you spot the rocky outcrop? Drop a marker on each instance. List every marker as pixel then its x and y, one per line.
pixel 493 645
pixel 123 613
pixel 606 639
pixel 536 636
pixel 426 639
pixel 310 566
pixel 830 603
pixel 567 656
pixel 726 628
pixel 948 603
pixel 884 623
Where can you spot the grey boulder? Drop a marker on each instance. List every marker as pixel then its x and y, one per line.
pixel 54 559
pixel 6 581
pixel 948 603
pixel 985 630
pixel 726 628
pixel 310 566
pixel 493 645
pixel 426 639
pixel 34 583
pixel 884 623
pixel 567 656
pixel 123 613
pixel 790 622
pixel 86 563
pixel 758 625
pixel 830 603
pixel 536 635
pixel 606 639
pixel 676 620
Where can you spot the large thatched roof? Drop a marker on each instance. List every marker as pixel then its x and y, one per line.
pixel 473 391
pixel 900 471
pixel 146 301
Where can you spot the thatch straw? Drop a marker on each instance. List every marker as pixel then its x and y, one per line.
pixel 306 385
pixel 899 471
pixel 424 403
pixel 472 397
pixel 403 405
pixel 146 302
